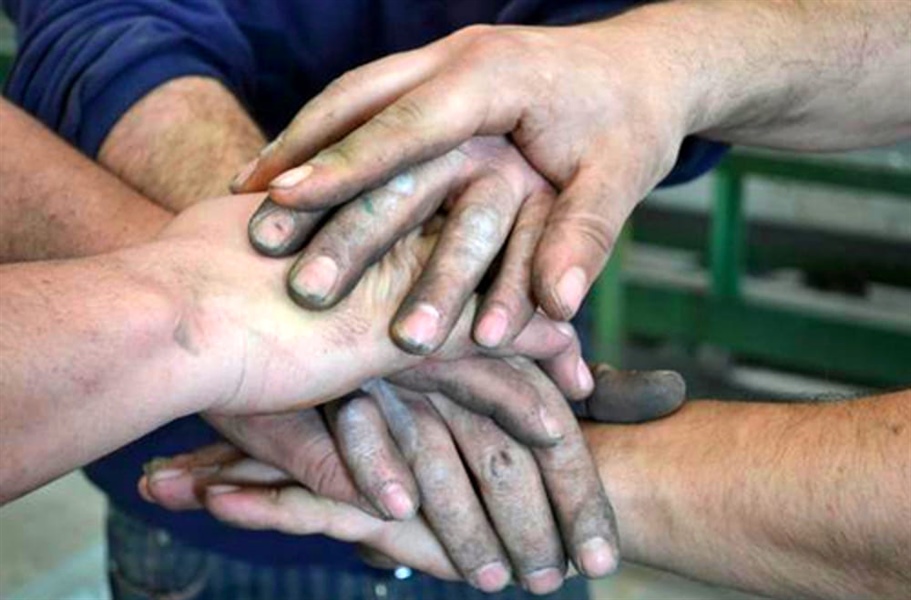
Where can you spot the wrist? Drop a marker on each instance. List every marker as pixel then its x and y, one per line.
pixel 174 339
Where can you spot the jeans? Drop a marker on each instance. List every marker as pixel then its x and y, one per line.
pixel 147 563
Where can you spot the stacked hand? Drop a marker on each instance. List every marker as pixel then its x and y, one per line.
pixel 530 505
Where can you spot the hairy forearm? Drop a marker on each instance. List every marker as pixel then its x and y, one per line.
pixel 793 74
pixel 89 360
pixel 788 500
pixel 182 143
pixel 55 203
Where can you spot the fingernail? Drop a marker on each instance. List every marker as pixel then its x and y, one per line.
pixel 397 502
pixel 314 279
pixel 420 326
pixel 566 329
pixel 571 289
pixel 490 578
pixel 492 328
pixel 217 490
pixel 244 175
pixel 551 425
pixel 291 178
pixel 596 559
pixel 271 229
pixel 543 581
pixel 270 147
pixel 584 377
pixel 160 475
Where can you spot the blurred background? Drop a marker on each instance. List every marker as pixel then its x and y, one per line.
pixel 775 278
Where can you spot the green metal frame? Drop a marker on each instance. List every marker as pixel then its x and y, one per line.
pixel 863 351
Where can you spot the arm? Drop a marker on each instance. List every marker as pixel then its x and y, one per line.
pixel 817 76
pixel 190 155
pixel 791 500
pixel 148 87
pixel 67 206
pixel 102 349
pixel 602 109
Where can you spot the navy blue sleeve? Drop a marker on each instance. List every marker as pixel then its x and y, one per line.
pixel 81 64
pixel 697 156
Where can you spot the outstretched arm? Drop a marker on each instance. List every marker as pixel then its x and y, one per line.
pixel 788 500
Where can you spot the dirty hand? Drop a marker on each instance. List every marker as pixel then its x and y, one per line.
pixel 248 493
pixel 599 122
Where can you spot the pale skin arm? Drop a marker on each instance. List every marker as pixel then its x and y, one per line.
pixel 56 203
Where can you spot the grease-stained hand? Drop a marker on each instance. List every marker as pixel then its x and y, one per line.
pixel 493 201
pixel 602 124
pixel 251 494
pixel 261 353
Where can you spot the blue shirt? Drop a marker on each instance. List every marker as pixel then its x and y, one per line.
pixel 83 63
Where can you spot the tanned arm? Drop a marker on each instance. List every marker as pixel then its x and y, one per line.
pixel 788 500
pixel 55 203
pixel 183 142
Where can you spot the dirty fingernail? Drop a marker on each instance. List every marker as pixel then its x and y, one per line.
pixel 596 558
pixel 584 377
pixel 397 502
pixel 290 179
pixel 571 289
pixel 551 425
pixel 315 278
pixel 244 175
pixel 273 227
pixel 420 327
pixel 492 328
pixel 160 475
pixel 217 490
pixel 490 578
pixel 543 581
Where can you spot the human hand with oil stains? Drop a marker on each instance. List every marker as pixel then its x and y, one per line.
pixel 239 321
pixel 496 206
pixel 414 437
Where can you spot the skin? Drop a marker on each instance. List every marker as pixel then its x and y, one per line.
pixel 824 513
pixel 195 321
pixel 600 111
pixel 417 435
pixel 268 437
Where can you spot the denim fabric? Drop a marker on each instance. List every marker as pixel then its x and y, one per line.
pixel 147 563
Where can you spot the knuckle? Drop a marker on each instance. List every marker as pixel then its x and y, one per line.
pixel 321 472
pixel 406 113
pixel 478 230
pixel 593 229
pixel 501 468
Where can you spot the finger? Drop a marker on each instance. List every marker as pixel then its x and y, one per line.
pixel 504 472
pixel 344 104
pixel 187 492
pixel 275 230
pixel 489 387
pixel 508 305
pixel 568 370
pixel 296 511
pixel 471 238
pixel 378 468
pixel 173 481
pixel 425 122
pixel 447 496
pixel 585 516
pixel 632 396
pixel 362 231
pixel 581 231
pixel 299 444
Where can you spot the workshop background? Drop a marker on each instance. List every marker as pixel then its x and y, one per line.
pixel 777 277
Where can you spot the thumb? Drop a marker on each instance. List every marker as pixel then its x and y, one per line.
pixel 581 230
pixel 631 396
